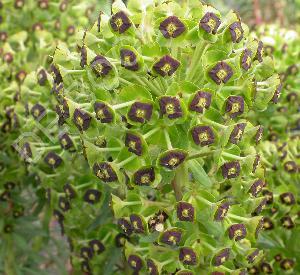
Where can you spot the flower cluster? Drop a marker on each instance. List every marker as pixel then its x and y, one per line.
pixel 159 96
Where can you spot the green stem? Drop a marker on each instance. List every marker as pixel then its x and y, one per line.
pixel 239 218
pixel 168 141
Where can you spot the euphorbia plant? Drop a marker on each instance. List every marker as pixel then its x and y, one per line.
pixel 158 94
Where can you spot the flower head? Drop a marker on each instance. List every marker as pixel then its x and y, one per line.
pixel 268 223
pixel 171 237
pixel 221 211
pixel 172 159
pixel 101 66
pixel 246 59
pixel 252 256
pixel 266 268
pixel 104 113
pixel 134 143
pixel 170 107
pixel 53 160
pixel 137 224
pixel 237 231
pixel 92 196
pixel 235 106
pixel 287 264
pixel 172 27
pixel 221 257
pixel 86 253
pixel 120 239
pixel 83 56
pixel 187 256
pixel 96 246
pixel 135 262
pixel 125 226
pixel 231 169
pixel 105 172
pixel 185 211
pixel 200 101
pixel 64 204
pixel 237 133
pixel 255 163
pixel 69 191
pixel 203 135
pixel 277 93
pixel 236 32
pixel 65 141
pixel 81 119
pixel 42 77
pixel 260 51
pixel 290 167
pixel 166 66
pixel 221 72
pixel 287 222
pixel 256 187
pixel 287 198
pixel 129 60
pixel 144 176
pixel 63 112
pixel 140 112
pixel 120 22
pixel 38 111
pixel 210 23
pixel 152 267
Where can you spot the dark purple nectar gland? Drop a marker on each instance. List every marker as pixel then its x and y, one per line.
pixel 81 119
pixel 221 211
pixel 266 268
pixel 171 237
pixel 277 93
pixel 290 167
pixel 8 58
pixel 172 159
pixel 246 59
pixel 287 264
pixel 256 187
pixel 231 170
pixel 69 191
pixel 56 74
pixel 38 111
pixel 65 141
pixel 105 172
pixel 236 32
pixel 134 144
pixel 166 66
pixel 259 134
pixel 62 111
pixel 42 77
pixel 287 222
pixel 83 56
pixel 221 73
pixel 70 30
pixel 21 75
pixel 64 204
pixel 126 226
pixel 201 101
pixel 187 256
pixel 203 135
pixel 172 27
pixel 252 256
pixel 260 51
pixel 268 224
pixel 221 257
pixel 152 267
pixel 101 66
pixel 3 36
pixel 287 198
pixel 170 107
pixel 144 176
pixel 58 216
pixel 237 232
pixel 268 195
pixel 92 196
pixel 235 106
pixel 129 60
pixel 237 133
pixel 19 4
pixel 43 4
pixel 85 267
pixel 140 112
pixel 104 113
pixel 210 23
pixel 256 162
pixel 120 22
pixel 121 239
pixel 96 246
pixel 185 211
pixel 86 253
pixel 259 227
pixel 53 160
pixel 260 207
pixel 25 152
pixel 137 224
